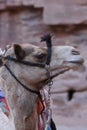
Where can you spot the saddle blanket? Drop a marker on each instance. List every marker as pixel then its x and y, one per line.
pixel 3 104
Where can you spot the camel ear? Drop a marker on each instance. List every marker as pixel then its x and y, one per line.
pixel 19 52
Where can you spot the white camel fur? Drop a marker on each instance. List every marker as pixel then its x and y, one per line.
pixel 22 103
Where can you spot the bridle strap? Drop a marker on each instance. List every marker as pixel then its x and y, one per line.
pixel 24 86
pixel 47 39
pixel 49 56
pixel 25 62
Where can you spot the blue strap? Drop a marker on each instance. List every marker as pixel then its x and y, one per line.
pixel 47 127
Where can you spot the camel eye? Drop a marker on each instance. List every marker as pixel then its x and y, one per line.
pixel 40 55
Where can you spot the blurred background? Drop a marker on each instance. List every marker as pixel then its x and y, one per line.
pixel 25 21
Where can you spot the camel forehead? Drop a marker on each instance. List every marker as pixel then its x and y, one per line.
pixel 58 48
pixel 25 45
pixel 60 51
pixel 29 49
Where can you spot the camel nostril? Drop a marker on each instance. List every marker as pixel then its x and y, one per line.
pixel 70 94
pixel 75 52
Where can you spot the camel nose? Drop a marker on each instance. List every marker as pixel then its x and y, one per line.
pixel 75 52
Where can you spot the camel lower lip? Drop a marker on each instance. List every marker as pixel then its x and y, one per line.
pixel 77 62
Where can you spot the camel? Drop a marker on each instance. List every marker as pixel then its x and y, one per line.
pixel 23 103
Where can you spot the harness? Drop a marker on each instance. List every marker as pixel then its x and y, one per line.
pixel 46 38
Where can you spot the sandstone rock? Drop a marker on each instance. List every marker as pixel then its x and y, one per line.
pixel 39 3
pixel 55 14
pixel 66 2
pixel 2 4
pixel 13 3
pixel 28 2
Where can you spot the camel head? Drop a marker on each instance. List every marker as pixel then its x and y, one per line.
pixel 22 103
pixel 63 58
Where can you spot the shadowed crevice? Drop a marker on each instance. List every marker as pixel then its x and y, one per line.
pixel 70 94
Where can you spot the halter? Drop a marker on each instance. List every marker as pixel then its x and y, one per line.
pixel 46 38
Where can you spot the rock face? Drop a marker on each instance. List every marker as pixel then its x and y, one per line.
pixel 54 11
pixel 26 21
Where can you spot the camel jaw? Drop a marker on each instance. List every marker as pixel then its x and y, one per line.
pixel 75 60
pixel 73 64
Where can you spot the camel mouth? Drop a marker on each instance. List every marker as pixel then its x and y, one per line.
pixel 74 64
pixel 56 71
pixel 78 61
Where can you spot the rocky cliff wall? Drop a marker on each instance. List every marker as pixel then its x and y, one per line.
pixel 26 21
